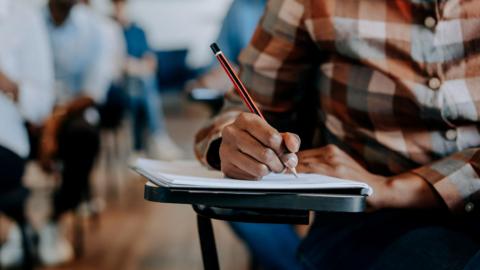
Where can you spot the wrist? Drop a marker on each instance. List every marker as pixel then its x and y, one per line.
pixel 411 191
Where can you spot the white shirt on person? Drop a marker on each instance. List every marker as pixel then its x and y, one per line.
pixel 115 49
pixel 80 56
pixel 25 58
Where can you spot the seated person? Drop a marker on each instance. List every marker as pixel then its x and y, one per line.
pixel 273 246
pixel 395 87
pixel 26 94
pixel 141 85
pixel 70 137
pixel 113 108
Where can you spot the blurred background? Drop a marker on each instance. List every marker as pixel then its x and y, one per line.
pixel 131 79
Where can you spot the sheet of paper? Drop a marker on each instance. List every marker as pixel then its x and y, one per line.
pixel 190 174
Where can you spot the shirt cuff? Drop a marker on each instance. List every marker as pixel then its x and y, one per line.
pixel 208 139
pixel 456 179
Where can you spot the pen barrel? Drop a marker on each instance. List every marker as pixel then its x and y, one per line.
pixel 240 87
pixel 237 83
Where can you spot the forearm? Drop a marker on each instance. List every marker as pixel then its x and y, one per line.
pixel 76 105
pixel 62 112
pixel 409 191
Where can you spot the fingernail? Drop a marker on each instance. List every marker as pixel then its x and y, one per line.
pixel 278 139
pixel 292 161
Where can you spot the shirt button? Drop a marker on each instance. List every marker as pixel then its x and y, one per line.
pixel 451 134
pixel 430 22
pixel 434 83
pixel 469 207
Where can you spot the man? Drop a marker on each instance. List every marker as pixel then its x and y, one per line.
pixel 273 246
pixel 71 135
pixel 141 85
pixel 26 95
pixel 395 87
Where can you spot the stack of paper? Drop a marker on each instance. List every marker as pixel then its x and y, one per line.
pixel 191 175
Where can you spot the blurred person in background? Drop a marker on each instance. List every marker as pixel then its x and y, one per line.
pixel 112 110
pixel 70 138
pixel 273 246
pixel 141 85
pixel 26 95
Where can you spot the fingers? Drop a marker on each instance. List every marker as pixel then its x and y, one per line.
pixel 260 130
pixel 239 165
pixel 251 145
pixel 318 168
pixel 258 151
pixel 327 151
pixel 290 160
pixel 247 164
pixel 334 169
pixel 237 173
pixel 292 142
pixel 309 153
pixel 243 141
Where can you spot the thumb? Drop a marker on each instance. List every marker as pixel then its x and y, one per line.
pixel 292 142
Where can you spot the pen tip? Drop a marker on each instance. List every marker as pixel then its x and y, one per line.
pixel 294 171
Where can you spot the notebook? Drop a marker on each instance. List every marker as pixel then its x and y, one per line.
pixel 192 175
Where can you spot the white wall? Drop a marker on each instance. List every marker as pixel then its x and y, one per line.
pixel 172 24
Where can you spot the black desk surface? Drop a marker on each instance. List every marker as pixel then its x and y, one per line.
pixel 331 201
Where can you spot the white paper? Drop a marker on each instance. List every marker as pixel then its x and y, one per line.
pixel 190 174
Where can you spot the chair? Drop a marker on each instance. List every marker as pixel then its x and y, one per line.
pixel 206 234
pixel 282 208
pixel 172 70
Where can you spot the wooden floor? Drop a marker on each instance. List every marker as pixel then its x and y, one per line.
pixel 134 234
pixel 131 233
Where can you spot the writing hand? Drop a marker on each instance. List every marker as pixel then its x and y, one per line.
pixel 251 148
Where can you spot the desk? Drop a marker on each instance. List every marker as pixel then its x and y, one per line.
pixel 256 207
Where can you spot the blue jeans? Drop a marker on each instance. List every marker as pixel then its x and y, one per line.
pixel 474 263
pixel 390 240
pixel 146 109
pixel 274 246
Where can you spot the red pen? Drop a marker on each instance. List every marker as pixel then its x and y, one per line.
pixel 240 87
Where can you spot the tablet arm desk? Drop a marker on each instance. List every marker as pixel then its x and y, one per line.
pixel 256 207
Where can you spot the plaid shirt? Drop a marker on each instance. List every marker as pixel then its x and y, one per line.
pixel 397 82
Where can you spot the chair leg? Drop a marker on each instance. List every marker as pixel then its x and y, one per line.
pixel 29 257
pixel 78 235
pixel 207 243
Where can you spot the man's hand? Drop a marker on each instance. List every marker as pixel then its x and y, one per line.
pixel 401 191
pixel 8 87
pixel 251 148
pixel 48 141
pixel 77 105
pixel 141 67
